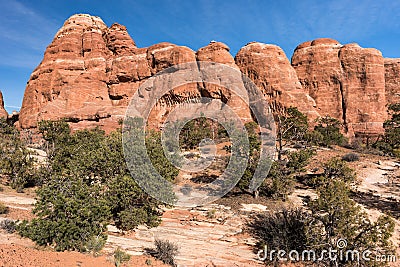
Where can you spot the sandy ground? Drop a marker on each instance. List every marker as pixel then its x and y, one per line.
pixel 17 255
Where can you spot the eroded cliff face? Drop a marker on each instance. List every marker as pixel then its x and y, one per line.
pixel 90 72
pixel 270 69
pixel 346 81
pixel 392 80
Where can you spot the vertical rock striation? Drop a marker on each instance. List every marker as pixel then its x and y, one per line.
pixel 347 83
pixel 392 80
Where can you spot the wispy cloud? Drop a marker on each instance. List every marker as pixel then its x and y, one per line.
pixel 7 106
pixel 24 34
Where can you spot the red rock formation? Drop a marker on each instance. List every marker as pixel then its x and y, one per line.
pixel 237 98
pixel 216 52
pixel 347 83
pixel 392 80
pixel 90 72
pixel 3 112
pixel 318 67
pixel 270 69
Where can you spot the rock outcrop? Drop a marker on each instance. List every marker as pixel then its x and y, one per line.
pixel 392 80
pixel 3 112
pixel 90 72
pixel 347 83
pixel 270 69
pixel 219 52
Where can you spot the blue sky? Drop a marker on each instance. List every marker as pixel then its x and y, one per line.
pixel 27 27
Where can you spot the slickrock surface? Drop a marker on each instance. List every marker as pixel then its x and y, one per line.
pixel 203 240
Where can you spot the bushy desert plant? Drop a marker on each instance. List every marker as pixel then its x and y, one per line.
pixel 350 157
pixel 298 160
pixel 8 225
pixel 327 132
pixel 337 169
pixel 166 251
pixel 285 229
pixel 291 125
pixel 120 257
pixel 336 216
pixel 330 217
pixel 253 156
pixel 390 141
pixel 279 182
pixel 69 213
pixel 194 131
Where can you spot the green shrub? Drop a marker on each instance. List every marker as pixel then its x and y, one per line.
pixel 130 206
pixel 69 214
pixel 314 138
pixel 98 160
pixel 330 217
pixel 253 156
pixel 334 169
pixel 327 132
pixel 8 225
pixel 194 131
pixel 291 125
pixel 280 180
pixel 390 141
pixel 279 183
pixel 336 216
pixel 16 162
pixel 166 251
pixel 298 160
pixel 3 208
pixel 158 159
pixel 120 257
pixel 338 169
